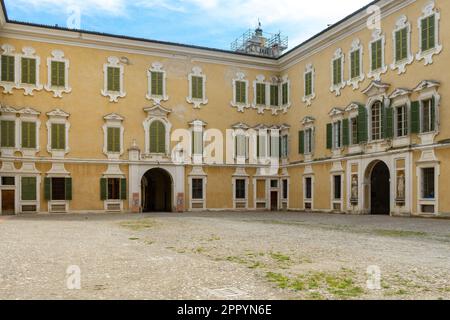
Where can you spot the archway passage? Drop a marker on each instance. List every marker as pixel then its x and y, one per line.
pixel 380 190
pixel 157 191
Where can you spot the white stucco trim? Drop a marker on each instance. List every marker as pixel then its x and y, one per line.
pixel 309 98
pixel 157 99
pixel 240 174
pixel 30 53
pixel 428 10
pixel 240 76
pixel 378 35
pixel 309 173
pixel 197 72
pixel 428 159
pixel 336 88
pixel 402 23
pixel 197 173
pixel 9 50
pixel 157 113
pixel 261 79
pixel 113 120
pixel 57 116
pixel 113 62
pixel 354 83
pixel 285 81
pixel 58 56
pixel 29 115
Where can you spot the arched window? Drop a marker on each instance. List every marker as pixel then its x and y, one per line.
pixel 157 137
pixel 376 120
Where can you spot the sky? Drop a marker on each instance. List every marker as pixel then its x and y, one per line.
pixel 209 23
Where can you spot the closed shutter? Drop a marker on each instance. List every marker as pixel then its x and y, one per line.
pixel 113 140
pixel 433 113
pixel 157 83
pixel 113 79
pixel 346 132
pixel 362 124
pixel 28 71
pixel 123 189
pixel 161 138
pixel 58 73
pixel 29 189
pixel 274 95
pixel 398 46
pixel 285 94
pixel 103 189
pixel 110 140
pixel 329 136
pixel 260 94
pixel 29 135
pixel 47 189
pixel 241 93
pixel 308 84
pixel 8 134
pixel 58 136
pixel 68 182
pixel 197 87
pixel 8 68
pixel 415 117
pixel 431 32
pixel 301 142
pixel 110 79
pixel 157 137
pixel 389 130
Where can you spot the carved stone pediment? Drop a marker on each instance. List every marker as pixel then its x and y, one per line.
pixel 400 92
pixel 58 113
pixel 157 111
pixel 336 112
pixel 427 84
pixel 308 120
pixel 113 117
pixel 29 111
pixel 376 88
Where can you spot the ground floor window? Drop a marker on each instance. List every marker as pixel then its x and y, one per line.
pixel 308 188
pixel 29 189
pixel 113 189
pixel 8 181
pixel 58 189
pixel 337 180
pixel 285 189
pixel 197 189
pixel 428 183
pixel 240 189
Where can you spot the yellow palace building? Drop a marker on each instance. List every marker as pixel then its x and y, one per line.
pixel 351 121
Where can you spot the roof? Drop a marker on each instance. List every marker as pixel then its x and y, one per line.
pixel 185 45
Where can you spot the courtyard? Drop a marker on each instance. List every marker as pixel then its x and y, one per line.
pixel 223 256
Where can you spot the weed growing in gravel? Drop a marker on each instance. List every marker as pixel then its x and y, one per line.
pixel 138 225
pixel 399 233
pixel 133 239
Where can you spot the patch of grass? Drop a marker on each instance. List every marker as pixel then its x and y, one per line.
pixel 280 280
pixel 199 250
pixel 257 265
pixel 399 233
pixel 280 257
pixel 315 296
pixel 133 239
pixel 138 225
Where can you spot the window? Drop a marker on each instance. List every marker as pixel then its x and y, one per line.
pixel 197 87
pixel 197 189
pixel 337 71
pixel 308 188
pixel 29 189
pixel 377 54
pixel 113 136
pixel 428 29
pixel 59 188
pixel 337 180
pixel 402 121
pixel 428 116
pixel 197 143
pixel 285 93
pixel 355 60
pixel 157 137
pixel 240 189
pixel 113 189
pixel 401 44
pixel 274 183
pixel 241 92
pixel 308 84
pixel 274 145
pixel 308 141
pixel 8 181
pixel 261 94
pixel 241 145
pixel 8 134
pixel 113 81
pixel 285 189
pixel 337 135
pixel 274 95
pixel 284 146
pixel 29 135
pixel 58 136
pixel 8 68
pixel 262 144
pixel 376 121
pixel 157 79
pixel 28 71
pixel 354 130
pixel 428 183
pixel 58 74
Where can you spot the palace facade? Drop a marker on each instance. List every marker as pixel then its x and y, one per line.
pixel 353 120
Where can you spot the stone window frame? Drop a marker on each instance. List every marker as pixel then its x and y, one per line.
pixel 197 72
pixel 378 35
pixel 157 67
pixel 29 115
pixel 113 120
pixel 428 10
pixel 28 53
pixel 113 62
pixel 308 174
pixel 58 56
pixel 9 50
pixel 285 81
pixel 197 173
pixel 156 113
pixel 402 23
pixel 240 174
pixel 58 116
pixel 337 115
pixel 10 114
pixel 308 123
pixel 261 79
pixel 428 160
pixel 240 76
pixel 308 99
pixel 354 83
pixel 337 88
pixel 399 98
pixel 427 90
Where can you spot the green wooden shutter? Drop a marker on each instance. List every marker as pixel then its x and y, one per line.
pixel 8 134
pixel 116 144
pixel 157 83
pixel 123 189
pixel 329 136
pixel 103 189
pixel 154 137
pixel 58 75
pixel 362 124
pixel 398 45
pixel 29 188
pixel 58 136
pixel 54 75
pixel 243 91
pixel 285 94
pixel 433 113
pixel 29 135
pixel 389 130
pixel 431 32
pixel 415 117
pixel 28 71
pixel 47 189
pixel 345 132
pixel 54 136
pixel 110 137
pixel 8 68
pixel 4 68
pixel 116 79
pixel 68 182
pixel 110 79
pixel 308 84
pixel 161 138
pixel 301 142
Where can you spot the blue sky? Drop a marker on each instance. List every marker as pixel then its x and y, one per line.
pixel 211 23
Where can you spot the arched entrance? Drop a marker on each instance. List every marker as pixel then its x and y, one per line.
pixel 380 189
pixel 157 191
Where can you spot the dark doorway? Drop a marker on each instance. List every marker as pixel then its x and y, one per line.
pixel 8 198
pixel 157 191
pixel 274 201
pixel 380 190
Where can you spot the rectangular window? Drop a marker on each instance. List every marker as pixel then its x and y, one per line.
pixel 377 55
pixel 58 136
pixel 58 189
pixel 58 75
pixel 376 121
pixel 241 92
pixel 308 84
pixel 262 146
pixel 354 129
pixel 337 135
pixel 274 183
pixel 241 146
pixel 197 189
pixel 401 44
pixel 29 189
pixel 308 141
pixel 197 143
pixel 285 93
pixel 428 26
pixel 113 79
pixel 240 189
pixel 284 146
pixel 355 57
pixel 113 136
pixel 28 71
pixel 337 71
pixel 308 188
pixel 8 68
pixel 8 134
pixel 285 189
pixel 274 146
pixel 428 116
pixel 197 88
pixel 29 135
pixel 402 121
pixel 157 83
pixel 337 180
pixel 274 95
pixel 114 189
pixel 261 94
pixel 8 181
pixel 428 191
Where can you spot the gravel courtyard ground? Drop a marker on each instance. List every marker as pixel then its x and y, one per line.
pixel 224 256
